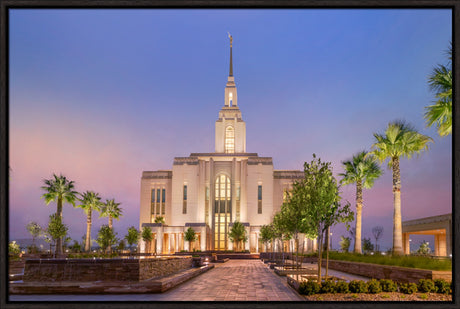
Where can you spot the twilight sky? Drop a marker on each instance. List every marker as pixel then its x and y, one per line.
pixel 102 95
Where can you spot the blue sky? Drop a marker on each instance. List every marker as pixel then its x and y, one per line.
pixel 102 95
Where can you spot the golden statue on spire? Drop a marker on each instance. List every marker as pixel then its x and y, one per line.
pixel 231 38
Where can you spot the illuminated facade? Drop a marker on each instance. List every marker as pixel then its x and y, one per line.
pixel 210 191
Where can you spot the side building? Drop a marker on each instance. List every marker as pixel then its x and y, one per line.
pixel 210 191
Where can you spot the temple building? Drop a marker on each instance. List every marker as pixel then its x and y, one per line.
pixel 210 191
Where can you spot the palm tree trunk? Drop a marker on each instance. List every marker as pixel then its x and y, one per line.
pixel 58 243
pixel 110 226
pixel 88 231
pixel 359 207
pixel 397 225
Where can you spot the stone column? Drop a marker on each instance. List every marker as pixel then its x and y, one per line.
pixel 247 245
pixel 449 239
pixel 203 238
pixel 257 242
pixel 406 243
pixel 160 240
pixel 169 242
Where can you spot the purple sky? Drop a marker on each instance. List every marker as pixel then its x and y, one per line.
pixel 102 95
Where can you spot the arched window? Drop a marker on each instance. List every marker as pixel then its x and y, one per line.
pixel 229 140
pixel 230 99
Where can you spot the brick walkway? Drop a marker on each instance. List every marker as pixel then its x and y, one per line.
pixel 235 280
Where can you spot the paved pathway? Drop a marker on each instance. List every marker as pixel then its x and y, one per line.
pixel 235 280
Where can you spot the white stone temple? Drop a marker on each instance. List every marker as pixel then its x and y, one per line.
pixel 210 191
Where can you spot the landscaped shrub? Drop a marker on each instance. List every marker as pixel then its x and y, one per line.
pixel 426 286
pixel 328 286
pixel 373 286
pixel 357 286
pixel 408 288
pixel 442 286
pixel 342 287
pixel 309 288
pixel 388 285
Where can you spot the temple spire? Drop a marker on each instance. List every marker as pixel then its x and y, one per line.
pixel 231 62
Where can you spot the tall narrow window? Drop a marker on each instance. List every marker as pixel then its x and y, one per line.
pixel 222 211
pixel 157 204
pixel 238 196
pixel 152 205
pixel 184 205
pixel 259 199
pixel 230 99
pixel 229 140
pixel 163 201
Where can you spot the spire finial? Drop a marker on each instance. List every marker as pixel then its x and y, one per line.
pixel 231 62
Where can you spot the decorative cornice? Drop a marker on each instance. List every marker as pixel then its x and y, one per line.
pixel 288 174
pixel 157 175
pixel 427 220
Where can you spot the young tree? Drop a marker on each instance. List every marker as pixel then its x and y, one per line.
pixel 76 247
pixel 132 237
pixel 13 249
pixel 367 245
pixel 106 237
pixel 424 248
pixel 237 234
pixel 89 201
pixel 266 234
pixel 35 230
pixel 320 195
pixel 56 230
pixel 399 140
pixel 190 236
pixel 377 231
pixel 59 190
pixel 361 170
pixel 147 237
pixel 345 243
pixel 440 82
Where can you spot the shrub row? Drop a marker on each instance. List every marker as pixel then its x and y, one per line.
pixel 375 286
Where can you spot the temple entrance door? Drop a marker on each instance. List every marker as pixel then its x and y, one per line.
pixel 222 212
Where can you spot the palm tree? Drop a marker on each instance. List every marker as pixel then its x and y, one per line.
pixel 59 190
pixel 440 113
pixel 237 234
pixel 110 209
pixel 362 170
pixel 399 139
pixel 89 201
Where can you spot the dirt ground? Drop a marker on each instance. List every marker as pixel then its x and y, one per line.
pixel 384 296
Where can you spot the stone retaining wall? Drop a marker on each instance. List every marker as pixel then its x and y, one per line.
pixel 103 269
pixel 395 273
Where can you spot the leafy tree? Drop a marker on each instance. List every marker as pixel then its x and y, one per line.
pixel 159 220
pixel 267 234
pixel 367 245
pixel 89 201
pixel 76 247
pixel 345 243
pixel 237 234
pixel 147 237
pixel 106 237
pixel 59 190
pixel 190 236
pixel 13 249
pixel 132 237
pixel 320 195
pixel 440 82
pixel 399 140
pixel 121 245
pixel 361 170
pixel 377 231
pixel 424 248
pixel 35 230
pixel 56 230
